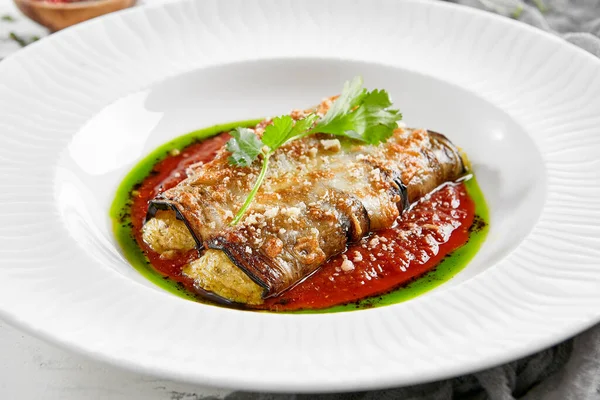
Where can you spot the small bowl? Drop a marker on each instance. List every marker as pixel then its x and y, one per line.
pixel 57 16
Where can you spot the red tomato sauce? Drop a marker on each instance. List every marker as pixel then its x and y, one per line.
pixel 379 263
pixel 166 174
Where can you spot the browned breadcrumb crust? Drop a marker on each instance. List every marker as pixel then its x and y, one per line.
pixel 320 193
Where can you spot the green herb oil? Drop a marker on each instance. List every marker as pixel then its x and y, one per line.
pixel 120 215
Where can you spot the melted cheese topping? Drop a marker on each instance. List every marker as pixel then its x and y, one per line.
pixel 313 200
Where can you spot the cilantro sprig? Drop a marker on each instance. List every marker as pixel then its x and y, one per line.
pixel 356 114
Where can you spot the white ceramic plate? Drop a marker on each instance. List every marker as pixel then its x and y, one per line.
pixel 80 108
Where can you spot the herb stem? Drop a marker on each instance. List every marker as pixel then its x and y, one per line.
pixel 22 42
pixel 540 6
pixel 257 184
pixel 517 13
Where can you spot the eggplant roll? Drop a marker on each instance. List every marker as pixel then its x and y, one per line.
pixel 320 194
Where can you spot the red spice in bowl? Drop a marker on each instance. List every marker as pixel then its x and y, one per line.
pixel 59 14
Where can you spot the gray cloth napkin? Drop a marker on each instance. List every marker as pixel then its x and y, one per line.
pixel 577 21
pixel 568 371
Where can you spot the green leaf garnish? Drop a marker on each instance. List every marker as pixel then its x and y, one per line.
pixel 368 119
pixel 357 114
pixel 277 133
pixel 244 147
